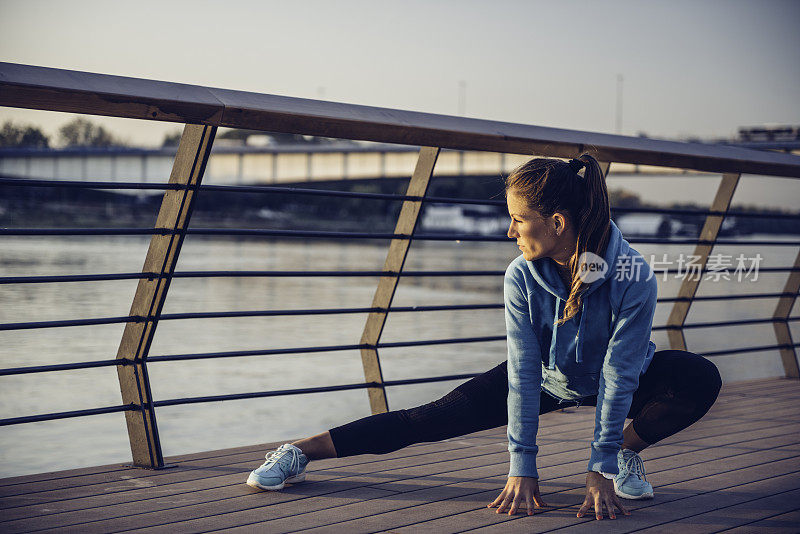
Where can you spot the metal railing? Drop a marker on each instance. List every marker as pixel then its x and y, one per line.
pixel 203 109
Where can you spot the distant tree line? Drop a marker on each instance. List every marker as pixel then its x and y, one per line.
pixel 79 132
pixel 15 136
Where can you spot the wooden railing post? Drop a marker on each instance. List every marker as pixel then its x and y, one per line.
pixel 395 258
pixel 162 256
pixel 710 231
pixel 782 332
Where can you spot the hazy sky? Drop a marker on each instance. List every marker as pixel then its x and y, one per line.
pixel 690 67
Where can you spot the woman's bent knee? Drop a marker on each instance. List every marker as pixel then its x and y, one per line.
pixel 704 380
pixel 691 374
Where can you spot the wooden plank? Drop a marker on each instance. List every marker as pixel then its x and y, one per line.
pixel 433 484
pixel 688 289
pixel 83 475
pixel 552 431
pixel 406 508
pixel 427 483
pixel 223 496
pixel 461 514
pixel 699 456
pixel 395 259
pixel 162 256
pixel 783 309
pixel 726 499
pixel 243 461
pixel 707 450
pixel 732 387
pixel 80 92
pixel 778 384
pixel 205 469
pixel 727 516
pixel 423 468
pixel 684 495
pixel 248 499
pixel 254 456
pixel 778 524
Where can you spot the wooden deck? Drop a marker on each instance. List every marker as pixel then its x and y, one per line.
pixel 737 470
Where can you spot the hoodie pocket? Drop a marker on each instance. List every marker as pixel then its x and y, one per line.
pixel 572 385
pixel 585 385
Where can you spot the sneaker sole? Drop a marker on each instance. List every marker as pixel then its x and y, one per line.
pixel 648 495
pixel 253 482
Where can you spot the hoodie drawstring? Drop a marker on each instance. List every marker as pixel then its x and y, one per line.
pixel 552 363
pixel 578 355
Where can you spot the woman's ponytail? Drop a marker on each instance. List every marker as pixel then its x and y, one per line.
pixel 592 226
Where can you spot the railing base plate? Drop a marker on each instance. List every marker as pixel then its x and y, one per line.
pixel 165 466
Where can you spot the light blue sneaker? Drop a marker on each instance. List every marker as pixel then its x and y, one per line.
pixel 286 464
pixel 631 483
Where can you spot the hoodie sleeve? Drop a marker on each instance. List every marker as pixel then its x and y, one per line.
pixel 622 366
pixel 524 378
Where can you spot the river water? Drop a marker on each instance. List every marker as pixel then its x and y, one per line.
pixel 102 439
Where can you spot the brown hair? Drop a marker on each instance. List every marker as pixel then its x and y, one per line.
pixel 551 185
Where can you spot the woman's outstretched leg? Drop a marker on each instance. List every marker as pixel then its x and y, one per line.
pixel 317 447
pixel 478 404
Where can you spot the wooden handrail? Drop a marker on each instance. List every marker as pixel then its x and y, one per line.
pixel 51 89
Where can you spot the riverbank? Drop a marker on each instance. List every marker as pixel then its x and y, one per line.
pixel 66 207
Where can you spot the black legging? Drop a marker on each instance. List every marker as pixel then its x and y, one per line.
pixel 677 389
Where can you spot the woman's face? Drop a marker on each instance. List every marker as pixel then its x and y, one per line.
pixel 537 236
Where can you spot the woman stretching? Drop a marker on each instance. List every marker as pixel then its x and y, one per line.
pixel 579 305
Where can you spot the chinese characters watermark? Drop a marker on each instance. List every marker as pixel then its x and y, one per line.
pixel 718 267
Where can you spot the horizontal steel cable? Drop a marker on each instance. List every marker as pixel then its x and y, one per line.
pixel 303 274
pixel 302 391
pixel 243 313
pixel 259 232
pixel 334 311
pixel 72 322
pixel 728 323
pixel 64 366
pixel 67 415
pixel 749 349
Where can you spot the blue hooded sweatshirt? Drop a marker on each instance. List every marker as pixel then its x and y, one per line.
pixel 601 351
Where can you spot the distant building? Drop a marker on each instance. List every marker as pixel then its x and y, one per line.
pixel 662 225
pixel 469 219
pixel 770 133
pixel 648 224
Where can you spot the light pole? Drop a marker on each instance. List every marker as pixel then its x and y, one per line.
pixel 462 98
pixel 619 105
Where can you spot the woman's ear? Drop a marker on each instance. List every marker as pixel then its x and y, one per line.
pixel 560 223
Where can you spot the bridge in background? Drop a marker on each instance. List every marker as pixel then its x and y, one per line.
pixel 248 164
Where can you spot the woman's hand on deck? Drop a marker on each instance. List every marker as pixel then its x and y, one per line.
pixel 600 492
pixel 518 491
